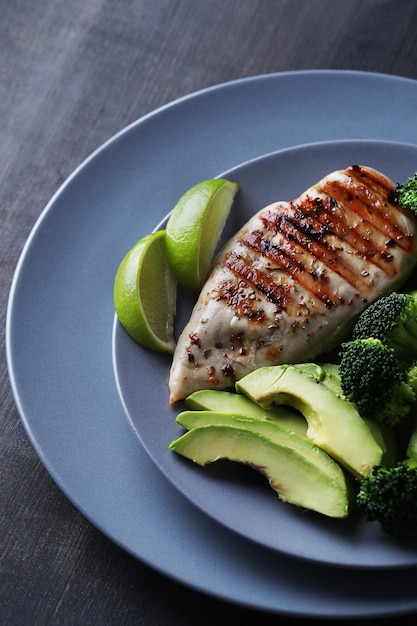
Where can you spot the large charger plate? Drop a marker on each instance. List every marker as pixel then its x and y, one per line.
pixel 229 494
pixel 60 318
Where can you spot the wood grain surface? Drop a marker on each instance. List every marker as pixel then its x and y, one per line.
pixel 73 73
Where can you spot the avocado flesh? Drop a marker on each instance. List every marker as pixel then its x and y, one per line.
pixel 328 374
pixel 237 404
pixel 333 423
pixel 290 474
pixel 271 430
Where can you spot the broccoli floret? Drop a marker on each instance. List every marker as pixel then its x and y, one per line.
pixel 372 378
pixel 389 497
pixel 405 194
pixel 393 320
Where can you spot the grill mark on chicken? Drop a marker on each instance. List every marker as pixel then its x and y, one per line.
pixel 304 226
pixel 373 208
pixel 369 214
pixel 259 279
pixel 380 185
pixel 310 235
pixel 235 295
pixel 352 230
pixel 284 258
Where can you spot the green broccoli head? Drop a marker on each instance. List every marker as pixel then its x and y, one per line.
pixel 371 377
pixel 405 194
pixel 389 497
pixel 393 320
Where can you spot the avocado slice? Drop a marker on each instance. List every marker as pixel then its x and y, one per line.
pixel 328 373
pixel 333 422
pixel 237 404
pixel 295 479
pixel 272 430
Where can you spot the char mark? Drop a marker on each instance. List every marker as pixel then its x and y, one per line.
pixel 369 199
pixel 335 232
pixel 259 279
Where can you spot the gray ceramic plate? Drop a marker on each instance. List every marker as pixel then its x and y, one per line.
pixel 230 494
pixel 60 320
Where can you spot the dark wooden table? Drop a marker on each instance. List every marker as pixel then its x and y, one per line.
pixel 73 73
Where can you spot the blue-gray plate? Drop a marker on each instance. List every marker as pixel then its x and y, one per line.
pixel 60 330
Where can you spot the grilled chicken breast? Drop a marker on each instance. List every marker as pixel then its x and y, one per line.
pixel 291 283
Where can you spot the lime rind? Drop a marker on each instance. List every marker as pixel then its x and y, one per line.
pixel 213 224
pixel 145 294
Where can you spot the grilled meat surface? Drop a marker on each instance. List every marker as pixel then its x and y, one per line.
pixel 293 280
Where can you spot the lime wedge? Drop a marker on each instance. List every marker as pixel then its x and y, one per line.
pixel 194 228
pixel 145 294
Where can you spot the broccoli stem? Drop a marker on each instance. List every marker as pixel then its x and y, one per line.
pixel 412 444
